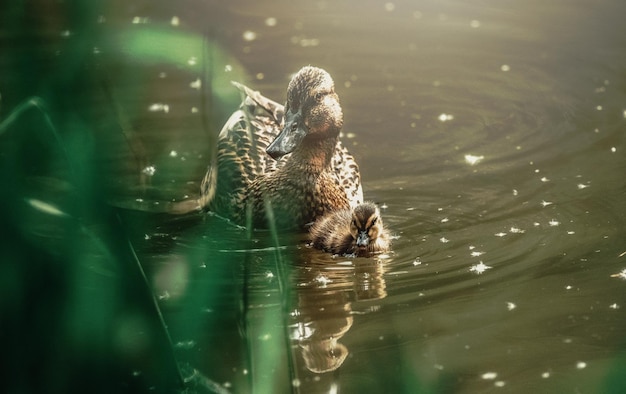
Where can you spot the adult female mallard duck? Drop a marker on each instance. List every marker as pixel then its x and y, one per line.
pixel 357 231
pixel 289 158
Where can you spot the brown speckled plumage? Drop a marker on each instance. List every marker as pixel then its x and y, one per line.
pixel 358 231
pixel 314 176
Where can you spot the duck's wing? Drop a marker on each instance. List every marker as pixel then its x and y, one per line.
pixel 348 175
pixel 241 155
pixel 276 110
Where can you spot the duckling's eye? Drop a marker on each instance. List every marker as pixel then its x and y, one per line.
pixel 373 222
pixel 319 96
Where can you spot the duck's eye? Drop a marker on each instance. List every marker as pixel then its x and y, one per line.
pixel 319 96
pixel 373 222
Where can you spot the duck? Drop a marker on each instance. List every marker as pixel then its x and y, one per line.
pixel 283 164
pixel 357 231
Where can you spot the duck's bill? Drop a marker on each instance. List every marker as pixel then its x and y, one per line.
pixel 287 140
pixel 362 239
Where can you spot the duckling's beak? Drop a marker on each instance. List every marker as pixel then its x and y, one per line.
pixel 290 136
pixel 363 239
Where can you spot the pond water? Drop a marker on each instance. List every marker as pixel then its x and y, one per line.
pixel 491 134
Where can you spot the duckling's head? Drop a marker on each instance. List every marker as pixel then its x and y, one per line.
pixel 312 111
pixel 366 224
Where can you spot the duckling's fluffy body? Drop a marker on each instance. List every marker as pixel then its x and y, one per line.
pixel 288 157
pixel 357 231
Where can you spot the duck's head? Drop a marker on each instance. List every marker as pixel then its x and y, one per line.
pixel 312 111
pixel 366 224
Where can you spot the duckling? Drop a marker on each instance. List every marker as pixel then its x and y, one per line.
pixel 289 157
pixel 357 231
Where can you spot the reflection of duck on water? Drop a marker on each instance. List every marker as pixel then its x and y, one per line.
pixel 357 231
pixel 323 314
pixel 311 173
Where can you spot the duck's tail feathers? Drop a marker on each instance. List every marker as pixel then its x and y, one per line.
pixel 277 110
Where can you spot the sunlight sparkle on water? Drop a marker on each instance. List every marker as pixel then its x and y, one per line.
pixel 489 375
pixel 445 117
pixel 197 84
pixel 473 159
pixel 323 280
pixel 621 275
pixel 140 20
pixel 159 107
pixel 479 268
pixel 149 170
pixel 249 35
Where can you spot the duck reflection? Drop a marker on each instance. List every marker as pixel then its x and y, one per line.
pixel 323 312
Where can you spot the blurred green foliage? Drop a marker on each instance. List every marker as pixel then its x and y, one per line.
pixel 77 313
